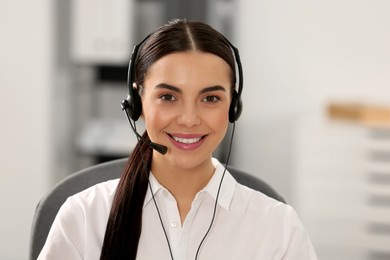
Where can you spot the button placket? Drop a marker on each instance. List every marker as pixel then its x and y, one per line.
pixel 173 221
pixel 186 228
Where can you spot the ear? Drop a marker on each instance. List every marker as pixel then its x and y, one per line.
pixel 235 107
pixel 135 104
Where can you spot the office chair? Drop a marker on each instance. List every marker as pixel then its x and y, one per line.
pixel 49 205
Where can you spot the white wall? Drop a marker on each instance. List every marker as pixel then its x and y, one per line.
pixel 25 88
pixel 297 55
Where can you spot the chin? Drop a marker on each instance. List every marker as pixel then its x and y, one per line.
pixel 190 162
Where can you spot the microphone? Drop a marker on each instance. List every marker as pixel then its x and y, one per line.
pixel 155 146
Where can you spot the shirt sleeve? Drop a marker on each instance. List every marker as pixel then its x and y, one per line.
pixel 297 242
pixel 65 240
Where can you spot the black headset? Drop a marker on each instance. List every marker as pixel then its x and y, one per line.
pixel 133 105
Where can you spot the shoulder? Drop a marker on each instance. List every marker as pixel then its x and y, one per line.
pixel 101 193
pixel 256 200
pixel 88 210
pixel 260 208
pixel 263 209
pixel 93 201
pixel 273 222
pixel 79 227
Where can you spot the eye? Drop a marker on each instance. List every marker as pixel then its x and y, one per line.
pixel 167 98
pixel 211 99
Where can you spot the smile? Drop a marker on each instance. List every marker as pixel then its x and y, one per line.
pixel 186 140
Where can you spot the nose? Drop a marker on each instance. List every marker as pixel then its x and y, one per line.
pixel 189 116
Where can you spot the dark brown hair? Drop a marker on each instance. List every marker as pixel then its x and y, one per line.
pixel 125 220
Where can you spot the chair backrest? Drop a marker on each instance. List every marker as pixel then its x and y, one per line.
pixel 49 205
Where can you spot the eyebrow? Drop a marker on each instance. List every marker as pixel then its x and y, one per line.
pixel 169 87
pixel 178 90
pixel 212 88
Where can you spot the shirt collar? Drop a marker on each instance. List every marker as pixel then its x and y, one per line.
pixel 225 194
pixel 227 187
pixel 153 187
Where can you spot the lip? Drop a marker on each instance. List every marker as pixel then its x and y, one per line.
pixel 187 146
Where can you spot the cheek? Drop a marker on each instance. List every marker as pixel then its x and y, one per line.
pixel 155 119
pixel 219 120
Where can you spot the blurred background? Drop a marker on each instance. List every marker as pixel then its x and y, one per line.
pixel 315 125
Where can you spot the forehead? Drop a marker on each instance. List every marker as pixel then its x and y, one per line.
pixel 192 67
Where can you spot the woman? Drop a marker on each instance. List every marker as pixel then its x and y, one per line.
pixel 179 202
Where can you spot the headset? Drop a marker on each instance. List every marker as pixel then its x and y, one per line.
pixel 132 105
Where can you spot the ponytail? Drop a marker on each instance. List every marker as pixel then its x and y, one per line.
pixel 125 220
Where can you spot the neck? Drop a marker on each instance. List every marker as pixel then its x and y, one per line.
pixel 183 183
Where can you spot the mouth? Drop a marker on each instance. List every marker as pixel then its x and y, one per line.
pixel 187 141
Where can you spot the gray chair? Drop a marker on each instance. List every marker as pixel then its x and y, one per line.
pixel 49 205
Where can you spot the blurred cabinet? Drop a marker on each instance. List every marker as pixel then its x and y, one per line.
pixel 101 30
pixel 343 188
pixel 377 194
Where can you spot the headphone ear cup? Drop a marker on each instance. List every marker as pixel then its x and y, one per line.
pixel 134 108
pixel 235 108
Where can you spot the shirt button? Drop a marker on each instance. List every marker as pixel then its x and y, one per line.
pixel 174 224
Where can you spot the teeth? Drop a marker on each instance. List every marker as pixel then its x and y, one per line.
pixel 187 140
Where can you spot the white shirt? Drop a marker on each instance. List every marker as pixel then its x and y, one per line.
pixel 247 225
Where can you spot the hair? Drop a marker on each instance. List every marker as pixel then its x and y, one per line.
pixel 125 220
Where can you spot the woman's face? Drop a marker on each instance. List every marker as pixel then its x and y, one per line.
pixel 185 103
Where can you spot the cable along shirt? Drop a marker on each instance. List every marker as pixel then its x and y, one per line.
pixel 247 225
